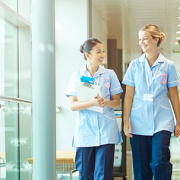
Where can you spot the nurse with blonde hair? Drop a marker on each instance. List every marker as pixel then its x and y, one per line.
pixel 148 114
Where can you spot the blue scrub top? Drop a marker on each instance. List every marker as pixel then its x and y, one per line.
pixel 149 117
pixel 94 128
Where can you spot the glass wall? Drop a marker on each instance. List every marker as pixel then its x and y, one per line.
pixel 8 59
pixel 9 154
pixel 15 120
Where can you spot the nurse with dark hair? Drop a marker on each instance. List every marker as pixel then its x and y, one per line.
pixel 95 133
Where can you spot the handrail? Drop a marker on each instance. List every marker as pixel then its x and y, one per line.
pixel 17 100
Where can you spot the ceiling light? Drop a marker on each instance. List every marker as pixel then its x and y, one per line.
pixel 179 7
pixel 176 43
pixel 178 25
pixel 177 32
pixel 178 38
pixel 178 17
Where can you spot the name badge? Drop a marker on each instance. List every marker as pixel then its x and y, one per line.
pixel 148 97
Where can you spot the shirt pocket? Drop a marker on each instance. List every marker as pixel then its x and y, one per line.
pixel 111 124
pixel 166 105
pixel 136 111
pixel 165 111
pixel 81 125
pixel 136 104
pixel 135 108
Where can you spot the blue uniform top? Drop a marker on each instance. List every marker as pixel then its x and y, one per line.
pixel 94 128
pixel 149 117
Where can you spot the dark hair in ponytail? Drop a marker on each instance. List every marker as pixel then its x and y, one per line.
pixel 88 46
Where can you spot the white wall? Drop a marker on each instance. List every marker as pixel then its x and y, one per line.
pixel 71 32
pixel 99 29
pixel 24 9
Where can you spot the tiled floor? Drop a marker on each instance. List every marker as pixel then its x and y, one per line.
pixel 175 160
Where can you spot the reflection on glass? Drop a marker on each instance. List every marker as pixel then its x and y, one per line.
pixel 8 60
pixel 25 140
pixel 15 144
pixel 11 3
pixel 9 153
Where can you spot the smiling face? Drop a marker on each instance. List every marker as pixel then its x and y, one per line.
pixel 147 42
pixel 96 56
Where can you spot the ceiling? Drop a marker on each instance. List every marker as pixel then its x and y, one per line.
pixel 124 18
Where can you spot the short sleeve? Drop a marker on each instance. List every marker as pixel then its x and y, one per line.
pixel 115 86
pixel 71 88
pixel 172 79
pixel 129 76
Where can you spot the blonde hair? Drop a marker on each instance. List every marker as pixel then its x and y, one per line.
pixel 155 32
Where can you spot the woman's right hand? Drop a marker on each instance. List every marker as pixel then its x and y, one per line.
pixel 127 126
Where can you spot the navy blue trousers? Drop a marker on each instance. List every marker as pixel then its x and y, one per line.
pixel 95 162
pixel 151 156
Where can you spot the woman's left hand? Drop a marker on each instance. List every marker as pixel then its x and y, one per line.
pixel 177 130
pixel 103 103
pixel 113 103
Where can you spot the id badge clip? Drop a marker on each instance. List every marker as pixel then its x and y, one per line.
pixel 87 80
pixel 148 97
